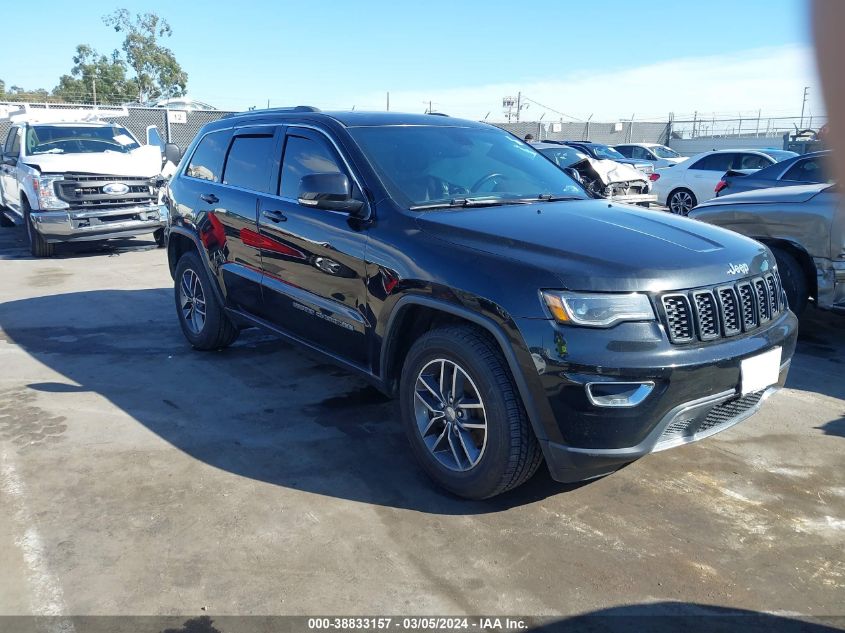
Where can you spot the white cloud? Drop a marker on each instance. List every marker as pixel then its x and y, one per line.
pixel 771 80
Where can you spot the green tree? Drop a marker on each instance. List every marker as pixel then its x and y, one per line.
pixel 157 73
pixel 93 71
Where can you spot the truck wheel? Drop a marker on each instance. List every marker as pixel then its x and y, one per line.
pixel 158 236
pixel 681 201
pixel 203 320
pixel 793 279
pixel 463 415
pixel 38 246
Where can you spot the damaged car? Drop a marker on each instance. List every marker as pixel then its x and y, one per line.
pixel 803 226
pixel 601 177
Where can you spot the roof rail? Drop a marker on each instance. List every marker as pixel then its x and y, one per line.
pixel 437 114
pixel 299 108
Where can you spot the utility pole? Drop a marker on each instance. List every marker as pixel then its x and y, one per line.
pixel 388 101
pixel 804 103
pixel 518 105
pixel 94 84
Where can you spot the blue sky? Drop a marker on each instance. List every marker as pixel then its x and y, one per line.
pixel 463 56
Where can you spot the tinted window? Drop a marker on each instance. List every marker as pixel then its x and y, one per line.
pixel 715 162
pixel 13 142
pixel 626 150
pixel 207 161
pixel 304 156
pixel 249 161
pixel 807 170
pixel 751 161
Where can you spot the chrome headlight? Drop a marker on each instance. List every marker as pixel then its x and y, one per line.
pixel 45 190
pixel 598 309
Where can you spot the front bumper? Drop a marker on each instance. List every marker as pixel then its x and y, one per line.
pixel 696 389
pixel 75 226
pixel 639 198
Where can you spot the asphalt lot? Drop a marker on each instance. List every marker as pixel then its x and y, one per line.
pixel 138 476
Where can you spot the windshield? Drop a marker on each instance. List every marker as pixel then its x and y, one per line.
pixel 82 139
pixel 779 154
pixel 563 156
pixel 661 151
pixel 603 151
pixel 426 164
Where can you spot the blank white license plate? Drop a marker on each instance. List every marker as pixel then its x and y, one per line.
pixel 760 372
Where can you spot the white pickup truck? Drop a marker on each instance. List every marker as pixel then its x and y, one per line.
pixel 71 176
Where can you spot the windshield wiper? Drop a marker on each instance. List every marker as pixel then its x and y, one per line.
pixel 459 203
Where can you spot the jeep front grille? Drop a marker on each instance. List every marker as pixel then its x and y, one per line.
pixel 706 314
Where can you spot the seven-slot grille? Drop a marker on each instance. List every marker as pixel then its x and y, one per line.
pixel 85 191
pixel 710 313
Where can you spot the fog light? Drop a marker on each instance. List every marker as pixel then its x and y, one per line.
pixel 618 394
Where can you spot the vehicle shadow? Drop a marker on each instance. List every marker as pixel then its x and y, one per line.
pixel 819 361
pixel 666 617
pixel 260 409
pixel 14 245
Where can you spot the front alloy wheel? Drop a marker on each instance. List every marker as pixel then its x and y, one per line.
pixel 450 415
pixel 681 203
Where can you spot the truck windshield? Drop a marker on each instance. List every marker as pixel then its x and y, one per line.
pixel 423 164
pixel 661 151
pixel 78 139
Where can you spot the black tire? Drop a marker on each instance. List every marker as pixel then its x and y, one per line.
pixel 38 246
pixel 684 203
pixel 794 280
pixel 216 329
pixel 511 453
pixel 158 236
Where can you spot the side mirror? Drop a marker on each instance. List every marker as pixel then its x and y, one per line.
pixel 328 191
pixel 172 153
pixel 10 159
pixel 154 137
pixel 573 173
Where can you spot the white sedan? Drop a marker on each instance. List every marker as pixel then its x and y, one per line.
pixel 658 155
pixel 683 186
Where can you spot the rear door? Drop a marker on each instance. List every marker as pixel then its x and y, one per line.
pixel 703 175
pixel 8 173
pixel 313 259
pixel 223 211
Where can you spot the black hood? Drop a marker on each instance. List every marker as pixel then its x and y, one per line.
pixel 596 245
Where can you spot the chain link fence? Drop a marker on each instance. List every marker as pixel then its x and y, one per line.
pixel 607 133
pixel 180 127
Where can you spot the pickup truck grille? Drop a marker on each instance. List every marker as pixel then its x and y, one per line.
pixel 85 191
pixel 706 314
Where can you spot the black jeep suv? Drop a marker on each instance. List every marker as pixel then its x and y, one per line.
pixel 455 266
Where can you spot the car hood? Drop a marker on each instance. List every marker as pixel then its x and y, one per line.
pixel 610 171
pixel 793 194
pixel 601 246
pixel 144 161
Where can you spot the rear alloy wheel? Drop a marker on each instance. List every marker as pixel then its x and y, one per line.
pixel 203 320
pixel 681 202
pixel 463 415
pixel 38 246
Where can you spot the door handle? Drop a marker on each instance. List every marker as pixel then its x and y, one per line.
pixel 210 198
pixel 274 216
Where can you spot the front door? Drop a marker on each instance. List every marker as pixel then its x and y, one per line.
pixel 8 173
pixel 314 260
